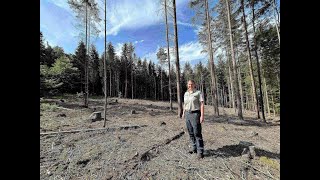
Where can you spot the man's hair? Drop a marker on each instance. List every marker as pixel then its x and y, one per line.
pixel 191 80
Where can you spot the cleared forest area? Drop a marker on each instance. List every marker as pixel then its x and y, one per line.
pixel 143 139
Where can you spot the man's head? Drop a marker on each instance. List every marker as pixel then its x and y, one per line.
pixel 191 84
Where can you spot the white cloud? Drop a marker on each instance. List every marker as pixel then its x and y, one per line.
pixel 190 51
pixel 136 42
pixel 118 49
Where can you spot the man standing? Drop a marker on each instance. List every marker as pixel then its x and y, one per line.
pixel 193 112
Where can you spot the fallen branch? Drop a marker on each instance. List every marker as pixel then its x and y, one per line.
pixel 96 129
pixel 258 170
pixel 231 171
pixel 200 176
pixel 64 108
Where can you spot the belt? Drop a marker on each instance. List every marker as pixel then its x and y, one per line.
pixel 195 111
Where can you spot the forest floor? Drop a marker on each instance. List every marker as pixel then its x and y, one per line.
pixel 151 143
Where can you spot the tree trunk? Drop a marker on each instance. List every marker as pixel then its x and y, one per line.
pixel 110 79
pixel 247 102
pixel 258 64
pixel 179 93
pixel 168 53
pixel 212 69
pixel 229 92
pixel 277 19
pixel 104 63
pixel 126 77
pixel 234 66
pixel 231 82
pixel 131 80
pixel 266 95
pixel 240 86
pixel 161 86
pixel 274 107
pixel 253 84
pixel 155 88
pixel 86 62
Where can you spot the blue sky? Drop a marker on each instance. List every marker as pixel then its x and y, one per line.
pixel 140 22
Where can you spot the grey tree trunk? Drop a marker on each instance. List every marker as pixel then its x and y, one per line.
pixel 258 64
pixel 161 86
pixel 126 79
pixel 110 80
pixel 104 63
pixel 266 95
pixel 212 69
pixel 276 18
pixel 247 101
pixel 86 62
pixel 231 82
pixel 131 78
pixel 253 84
pixel 179 94
pixel 240 86
pixel 168 52
pixel 234 66
pixel 274 107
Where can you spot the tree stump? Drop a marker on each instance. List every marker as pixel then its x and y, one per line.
pixel 252 152
pixel 95 116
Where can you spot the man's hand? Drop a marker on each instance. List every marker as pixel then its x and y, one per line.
pixel 201 119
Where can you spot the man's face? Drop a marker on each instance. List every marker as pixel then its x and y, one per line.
pixel 190 85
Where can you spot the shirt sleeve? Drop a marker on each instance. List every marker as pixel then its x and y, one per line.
pixel 201 97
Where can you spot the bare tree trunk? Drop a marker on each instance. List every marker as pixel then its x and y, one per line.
pixel 110 79
pixel 240 85
pixel 104 63
pixel 126 77
pixel 212 69
pixel 229 92
pixel 86 62
pixel 231 82
pixel 258 64
pixel 131 79
pixel 266 95
pixel 201 83
pixel 118 83
pixel 247 101
pixel 223 96
pixel 168 52
pixel 253 84
pixel 179 93
pixel 234 66
pixel 161 86
pixel 274 107
pixel 277 19
pixel 155 88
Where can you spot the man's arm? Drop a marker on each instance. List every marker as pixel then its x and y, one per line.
pixel 202 112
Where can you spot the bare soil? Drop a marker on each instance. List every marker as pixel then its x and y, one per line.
pixel 152 143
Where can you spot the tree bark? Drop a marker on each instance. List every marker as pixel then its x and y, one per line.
pixel 168 52
pixel 104 63
pixel 212 69
pixel 179 93
pixel 266 95
pixel 258 64
pixel 234 66
pixel 253 84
